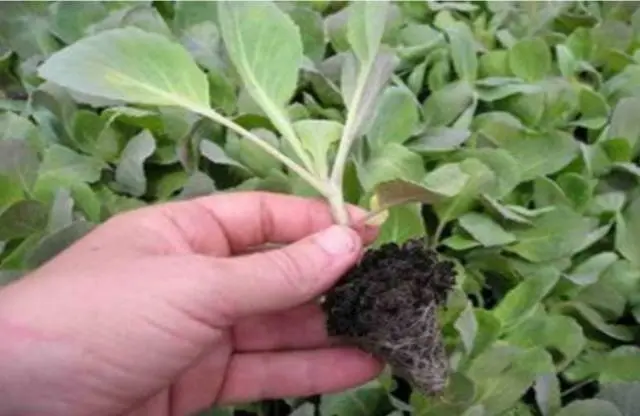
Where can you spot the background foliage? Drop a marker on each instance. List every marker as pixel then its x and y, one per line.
pixel 525 114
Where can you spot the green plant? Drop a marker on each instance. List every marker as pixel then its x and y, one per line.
pixel 505 132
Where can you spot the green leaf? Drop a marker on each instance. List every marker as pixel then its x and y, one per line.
pixel 530 59
pixel 507 172
pixel 621 365
pixel 131 65
pixel 392 161
pixel 438 140
pixel 365 28
pixel 591 269
pixel 541 154
pixel 623 395
pixel 445 105
pixel 480 176
pixel 216 154
pixel 624 121
pixel 64 164
pixel 463 51
pixel 130 175
pixel 596 320
pixel 547 391
pixel 19 162
pixel 589 407
pixel 317 137
pixel 22 219
pixel 403 223
pixel 627 237
pixel 311 31
pixel 486 231
pixel 522 301
pixel 265 47
pixel 553 235
pixel 359 401
pixel 395 119
pixel 467 327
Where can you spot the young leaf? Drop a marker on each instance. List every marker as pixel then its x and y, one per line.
pixel 22 219
pixel 530 59
pixel 265 47
pixel 317 137
pixel 390 162
pixel 485 230
pixel 589 407
pixel 463 51
pixel 132 65
pixel 589 271
pixel 130 174
pixel 627 238
pixel 365 28
pixel 541 154
pixel 396 117
pixel 522 301
pixel 553 235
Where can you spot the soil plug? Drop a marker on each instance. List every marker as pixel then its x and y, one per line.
pixel 387 305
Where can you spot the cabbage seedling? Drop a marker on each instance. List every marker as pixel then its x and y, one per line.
pixel 387 303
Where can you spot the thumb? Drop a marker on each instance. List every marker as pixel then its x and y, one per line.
pixel 286 277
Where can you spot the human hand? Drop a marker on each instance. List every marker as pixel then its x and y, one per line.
pixel 161 311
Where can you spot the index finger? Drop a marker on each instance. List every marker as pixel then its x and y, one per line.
pixel 243 220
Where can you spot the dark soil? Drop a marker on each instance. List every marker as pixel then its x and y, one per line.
pixel 387 305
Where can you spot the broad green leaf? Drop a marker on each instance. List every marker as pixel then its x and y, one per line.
pixel 497 88
pixel 463 51
pixel 19 162
pixel 445 105
pixel 467 327
pixel 590 270
pixel 22 219
pixel 627 237
pixel 625 396
pixel 485 230
pixel 541 154
pixel 438 140
pixel 595 319
pixel 507 172
pixel 624 121
pixel 132 65
pixel 365 28
pixel 63 164
pixel 390 162
pixel 553 235
pixel 203 41
pixel 403 223
pixel 396 117
pixel 317 137
pixel 361 87
pixel 216 154
pixel 522 301
pixel 530 59
pixel 311 31
pixel 130 174
pixel 621 365
pixel 70 22
pixel 589 407
pixel 358 401
pixel 61 212
pixel 547 392
pixel 558 333
pixel 480 176
pixel 265 47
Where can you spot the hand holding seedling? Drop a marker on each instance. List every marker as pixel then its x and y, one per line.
pixel 164 310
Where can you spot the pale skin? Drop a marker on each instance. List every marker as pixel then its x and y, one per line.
pixel 169 309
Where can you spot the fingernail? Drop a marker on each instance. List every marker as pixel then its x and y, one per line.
pixel 336 240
